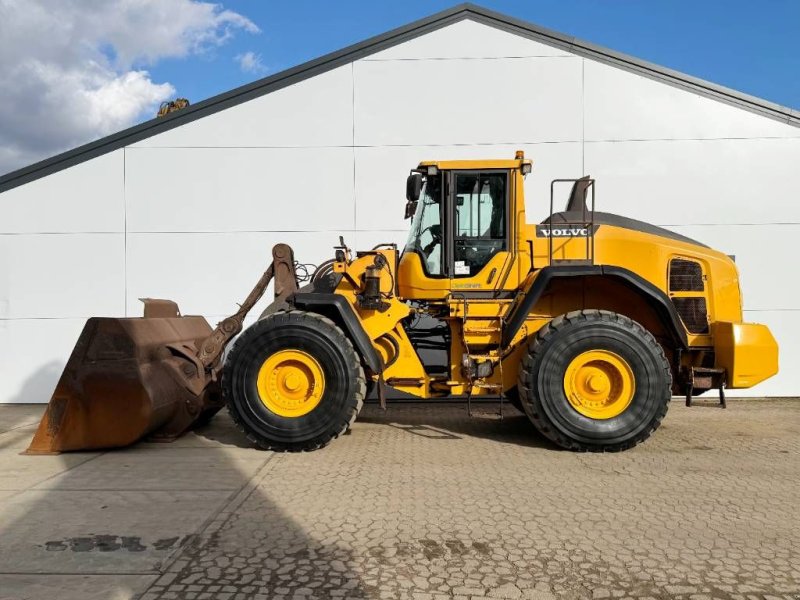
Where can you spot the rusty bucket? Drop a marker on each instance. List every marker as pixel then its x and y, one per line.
pixel 154 377
pixel 128 379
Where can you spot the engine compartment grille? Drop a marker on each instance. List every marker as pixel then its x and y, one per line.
pixel 693 313
pixel 685 276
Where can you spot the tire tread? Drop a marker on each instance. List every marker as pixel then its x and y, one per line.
pixel 535 352
pixel 313 321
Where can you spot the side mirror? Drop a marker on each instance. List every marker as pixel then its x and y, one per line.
pixel 411 208
pixel 413 187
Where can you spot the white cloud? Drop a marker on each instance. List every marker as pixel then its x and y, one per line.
pixel 250 62
pixel 74 70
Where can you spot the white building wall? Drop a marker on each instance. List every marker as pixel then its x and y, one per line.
pixel 191 213
pixel 62 260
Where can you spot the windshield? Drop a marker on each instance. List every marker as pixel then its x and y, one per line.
pixel 425 237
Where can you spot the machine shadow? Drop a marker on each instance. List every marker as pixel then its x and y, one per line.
pixel 38 387
pixel 197 516
pixel 17 415
pixel 451 420
pixel 431 419
pixel 227 435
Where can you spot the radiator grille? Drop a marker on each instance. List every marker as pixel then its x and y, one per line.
pixel 693 313
pixel 685 276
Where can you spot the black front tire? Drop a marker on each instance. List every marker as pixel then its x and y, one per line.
pixel 341 400
pixel 541 381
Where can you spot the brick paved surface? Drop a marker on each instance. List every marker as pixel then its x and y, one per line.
pixel 422 502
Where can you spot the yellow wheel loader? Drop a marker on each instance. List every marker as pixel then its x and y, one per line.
pixel 587 322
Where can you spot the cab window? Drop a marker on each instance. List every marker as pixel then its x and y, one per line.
pixel 480 220
pixel 425 236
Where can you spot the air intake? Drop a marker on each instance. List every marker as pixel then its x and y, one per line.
pixel 685 276
pixel 693 313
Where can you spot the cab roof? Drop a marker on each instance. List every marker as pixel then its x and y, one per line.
pixel 457 165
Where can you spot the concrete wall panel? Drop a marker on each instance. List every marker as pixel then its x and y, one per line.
pixel 209 273
pixel 239 189
pixel 33 353
pixel 364 240
pixel 84 198
pixel 697 181
pixel 314 112
pixel 621 105
pixel 61 276
pixel 509 100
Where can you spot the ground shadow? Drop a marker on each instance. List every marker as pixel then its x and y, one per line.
pixel 433 419
pixel 17 415
pixel 454 419
pixel 219 431
pixel 173 520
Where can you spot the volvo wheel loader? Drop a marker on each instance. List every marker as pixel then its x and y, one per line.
pixel 588 322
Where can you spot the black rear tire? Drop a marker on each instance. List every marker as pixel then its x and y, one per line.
pixel 344 384
pixel 542 386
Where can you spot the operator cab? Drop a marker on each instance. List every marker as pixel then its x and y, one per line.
pixel 460 234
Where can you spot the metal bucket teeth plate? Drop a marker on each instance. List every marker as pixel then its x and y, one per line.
pixel 127 379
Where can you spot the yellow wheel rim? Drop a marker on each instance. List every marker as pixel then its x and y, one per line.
pixel 599 384
pixel 291 383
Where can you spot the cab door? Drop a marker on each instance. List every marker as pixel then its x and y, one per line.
pixel 478 230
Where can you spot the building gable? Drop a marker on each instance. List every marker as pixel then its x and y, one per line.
pixel 386 46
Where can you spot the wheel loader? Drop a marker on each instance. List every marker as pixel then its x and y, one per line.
pixel 587 322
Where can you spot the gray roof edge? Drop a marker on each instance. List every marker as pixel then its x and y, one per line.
pixel 763 107
pixel 377 43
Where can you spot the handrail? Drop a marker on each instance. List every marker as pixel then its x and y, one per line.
pixel 590 246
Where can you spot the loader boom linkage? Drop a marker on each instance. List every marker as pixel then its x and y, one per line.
pixel 282 270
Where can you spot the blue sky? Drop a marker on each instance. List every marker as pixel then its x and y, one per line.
pixel 750 46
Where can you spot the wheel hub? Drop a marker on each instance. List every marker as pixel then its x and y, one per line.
pixel 599 384
pixel 290 383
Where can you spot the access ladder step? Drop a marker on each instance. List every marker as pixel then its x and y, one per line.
pixel 488 386
pixel 482 330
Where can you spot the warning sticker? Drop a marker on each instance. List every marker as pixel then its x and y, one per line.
pixel 461 268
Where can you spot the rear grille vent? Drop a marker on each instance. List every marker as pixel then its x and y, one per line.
pixel 685 276
pixel 693 313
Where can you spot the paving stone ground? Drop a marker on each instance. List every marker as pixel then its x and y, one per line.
pixel 420 502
